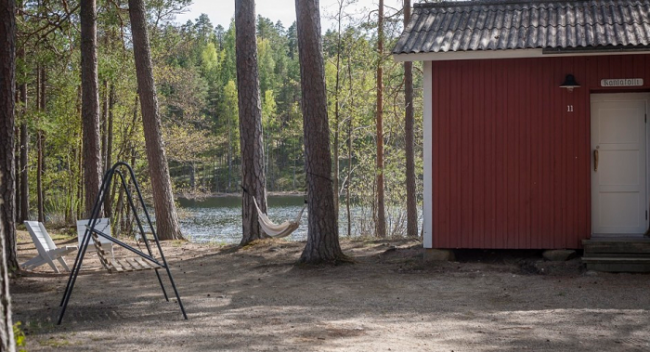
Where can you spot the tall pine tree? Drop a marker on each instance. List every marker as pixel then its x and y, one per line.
pixel 323 233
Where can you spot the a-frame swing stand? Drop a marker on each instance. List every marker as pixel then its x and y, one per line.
pixel 147 260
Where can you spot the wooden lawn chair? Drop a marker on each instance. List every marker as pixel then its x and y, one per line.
pixel 103 225
pixel 47 250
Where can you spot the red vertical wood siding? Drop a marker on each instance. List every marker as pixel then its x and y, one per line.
pixel 511 164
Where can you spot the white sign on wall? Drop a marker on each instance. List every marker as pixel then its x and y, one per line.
pixel 622 82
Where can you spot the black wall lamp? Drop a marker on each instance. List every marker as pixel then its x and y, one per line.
pixel 570 83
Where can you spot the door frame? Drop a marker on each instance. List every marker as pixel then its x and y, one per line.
pixel 611 95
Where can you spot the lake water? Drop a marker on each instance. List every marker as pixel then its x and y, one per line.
pixel 218 219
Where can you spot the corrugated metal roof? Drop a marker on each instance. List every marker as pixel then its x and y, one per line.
pixel 503 25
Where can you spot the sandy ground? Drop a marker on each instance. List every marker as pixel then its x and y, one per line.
pixel 256 299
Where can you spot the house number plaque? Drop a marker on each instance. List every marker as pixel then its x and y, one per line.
pixel 622 82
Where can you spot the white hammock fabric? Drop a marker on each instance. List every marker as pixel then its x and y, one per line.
pixel 277 231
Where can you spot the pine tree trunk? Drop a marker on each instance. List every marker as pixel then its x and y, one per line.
pixel 337 117
pixel 348 195
pixel 90 105
pixel 22 199
pixel 109 147
pixel 7 342
pixel 104 126
pixel 230 155
pixel 381 212
pixel 409 121
pixel 7 166
pixel 192 167
pixel 323 233
pixel 71 186
pixel 7 173
pixel 24 154
pixel 250 120
pixel 40 144
pixel 119 216
pixel 77 196
pixel 269 160
pixel 80 188
pixel 166 218
pixel 16 161
pixel 294 180
pixel 39 176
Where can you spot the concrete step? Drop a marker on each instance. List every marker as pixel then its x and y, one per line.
pixel 617 247
pixel 617 264
pixel 607 254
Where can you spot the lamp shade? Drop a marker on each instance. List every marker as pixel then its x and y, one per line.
pixel 569 82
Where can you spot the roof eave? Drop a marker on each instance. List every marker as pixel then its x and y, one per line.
pixel 513 54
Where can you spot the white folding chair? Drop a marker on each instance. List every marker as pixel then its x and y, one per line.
pixel 47 250
pixel 103 225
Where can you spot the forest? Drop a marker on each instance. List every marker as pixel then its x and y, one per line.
pixel 260 109
pixel 197 110
pixel 194 67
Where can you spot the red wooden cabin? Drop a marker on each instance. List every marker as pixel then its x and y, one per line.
pixel 535 132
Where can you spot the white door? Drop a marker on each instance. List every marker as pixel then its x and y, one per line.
pixel 618 163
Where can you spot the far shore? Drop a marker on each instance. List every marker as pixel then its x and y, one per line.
pixel 201 195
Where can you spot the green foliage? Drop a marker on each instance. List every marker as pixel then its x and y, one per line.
pixel 19 336
pixel 210 61
pixel 195 72
pixel 266 65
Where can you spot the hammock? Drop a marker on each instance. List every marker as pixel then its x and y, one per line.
pixel 277 231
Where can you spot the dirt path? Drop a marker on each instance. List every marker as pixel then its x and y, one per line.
pixel 255 299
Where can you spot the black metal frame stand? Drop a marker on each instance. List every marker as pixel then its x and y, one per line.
pixel 90 228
